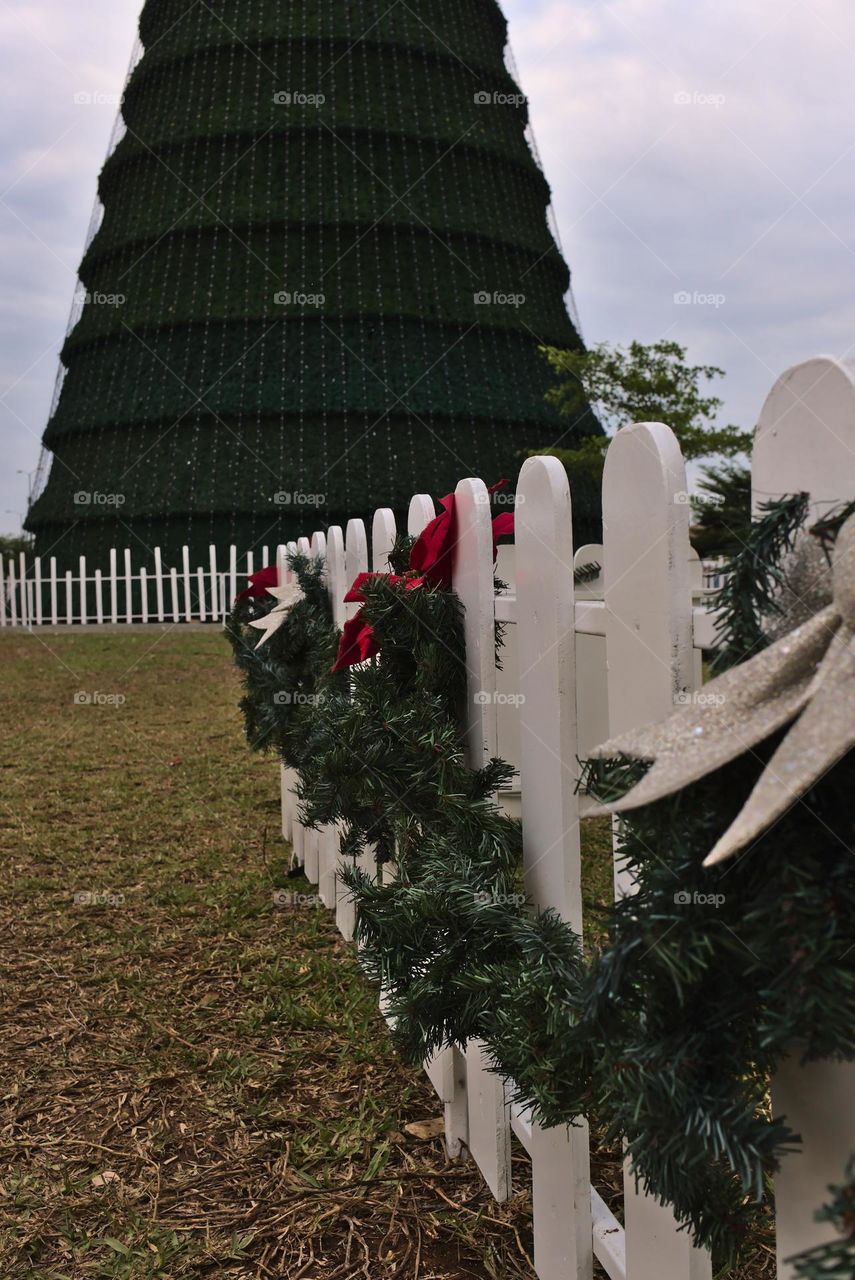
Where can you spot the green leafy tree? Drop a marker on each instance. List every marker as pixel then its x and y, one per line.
pixel 639 383
pixel 11 544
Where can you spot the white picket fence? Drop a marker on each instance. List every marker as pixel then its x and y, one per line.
pixel 34 593
pixel 580 665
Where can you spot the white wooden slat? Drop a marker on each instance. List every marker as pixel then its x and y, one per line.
pixel 648 606
pixel 609 1239
pixel 129 587
pixel 158 584
pixel 545 636
pixel 114 586
pixel 200 591
pixel 188 601
pixel 346 559
pixel 383 534
pixel 337 574
pixel 283 572
pixel 447 1071
pixel 39 602
pixel 298 836
pixel 805 441
pixel 84 604
pixel 421 512
pixel 233 574
pixel 215 591
pixel 3 618
pixel 356 555
pixel 144 594
pixel 250 564
pixel 804 436
pixel 69 598
pixel 12 578
pixel 328 847
pixel 286 782
pixel 317 846
pixel 310 854
pixel 22 578
pixel 99 597
pixel 54 593
pixel 265 556
pixel 817 1102
pixel 489 1118
pixel 174 594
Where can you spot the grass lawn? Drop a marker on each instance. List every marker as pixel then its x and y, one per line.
pixel 194 1081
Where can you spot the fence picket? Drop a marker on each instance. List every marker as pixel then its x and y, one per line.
pixel 545 633
pixel 22 579
pixel 114 587
pixel 233 573
pixel 3 621
pixel 13 592
pixel 158 584
pixel 99 597
pixel 649 648
pixel 215 591
pixel 173 593
pixel 489 1115
pixel 200 588
pixel 129 587
pixel 69 599
pixel 54 593
pixel 383 534
pixel 39 601
pixel 805 441
pixel 84 603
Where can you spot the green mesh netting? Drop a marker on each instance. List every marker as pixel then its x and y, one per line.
pixel 324 270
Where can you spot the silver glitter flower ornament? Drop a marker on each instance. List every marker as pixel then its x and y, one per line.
pixel 806 679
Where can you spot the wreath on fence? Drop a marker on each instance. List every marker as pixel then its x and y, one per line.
pixel 711 976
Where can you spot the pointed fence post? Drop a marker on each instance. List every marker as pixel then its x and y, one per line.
pixel 546 646
pixel 649 647
pixel 805 442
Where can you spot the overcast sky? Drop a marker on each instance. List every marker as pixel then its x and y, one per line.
pixel 701 149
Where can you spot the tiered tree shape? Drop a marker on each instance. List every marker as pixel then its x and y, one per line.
pixel 321 281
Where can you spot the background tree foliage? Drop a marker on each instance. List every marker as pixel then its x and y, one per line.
pixel 639 383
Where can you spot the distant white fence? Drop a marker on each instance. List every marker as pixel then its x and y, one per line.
pixel 582 664
pixel 34 593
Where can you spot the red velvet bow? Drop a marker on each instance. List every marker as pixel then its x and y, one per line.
pixel 431 562
pixel 259 582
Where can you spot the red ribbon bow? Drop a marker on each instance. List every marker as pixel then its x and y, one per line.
pixel 431 563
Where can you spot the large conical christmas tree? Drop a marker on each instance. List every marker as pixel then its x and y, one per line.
pixel 321 280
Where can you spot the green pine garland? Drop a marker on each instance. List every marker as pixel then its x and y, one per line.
pixel 710 977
